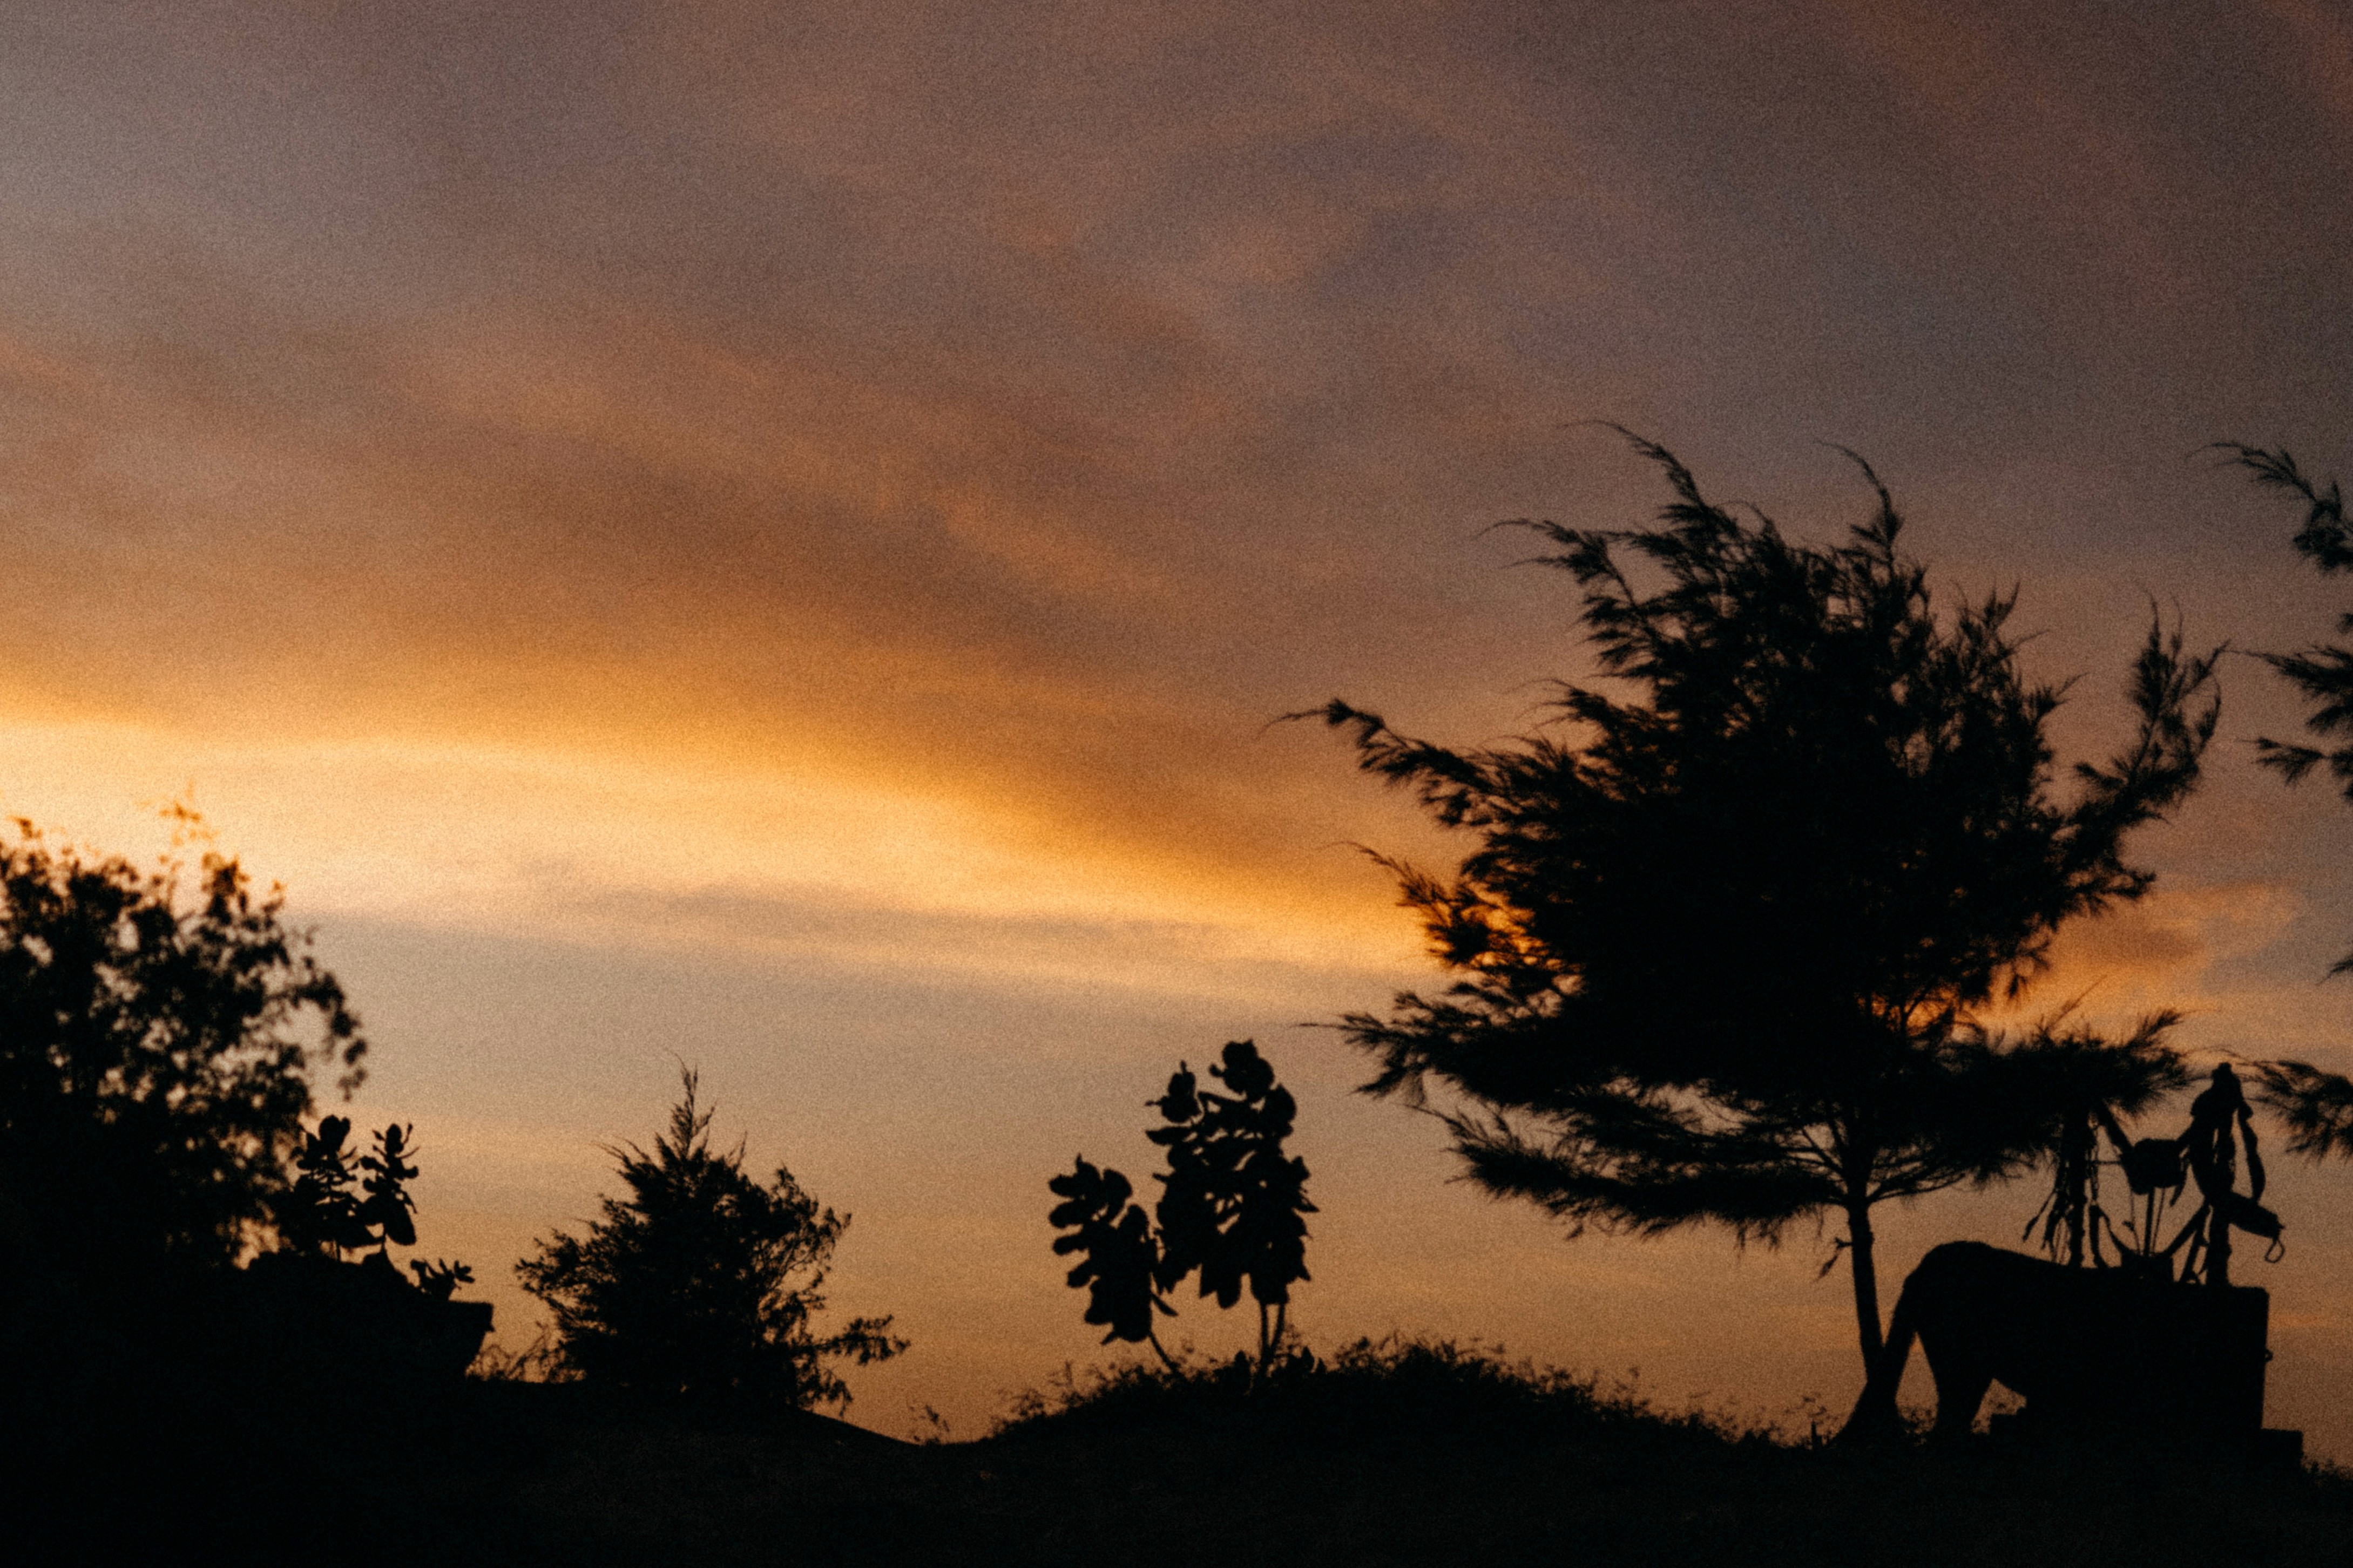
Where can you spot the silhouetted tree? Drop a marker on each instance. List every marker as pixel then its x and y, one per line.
pixel 2317 1106
pixel 1229 1209
pixel 156 1033
pixel 1725 940
pixel 2322 673
pixel 703 1282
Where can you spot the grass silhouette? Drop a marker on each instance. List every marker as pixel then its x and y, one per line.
pixel 1368 1393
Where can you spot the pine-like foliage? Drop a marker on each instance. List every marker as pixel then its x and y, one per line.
pixel 1727 935
pixel 157 1029
pixel 2323 673
pixel 703 1282
pixel 2315 1105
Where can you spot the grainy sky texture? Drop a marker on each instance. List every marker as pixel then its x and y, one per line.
pixel 771 536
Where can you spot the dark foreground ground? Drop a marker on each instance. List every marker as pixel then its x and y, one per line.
pixel 1446 1463
pixel 1209 1496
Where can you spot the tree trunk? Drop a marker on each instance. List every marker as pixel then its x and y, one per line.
pixel 2075 1190
pixel 1866 1284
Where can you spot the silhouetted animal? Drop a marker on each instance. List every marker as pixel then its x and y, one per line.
pixel 2090 1349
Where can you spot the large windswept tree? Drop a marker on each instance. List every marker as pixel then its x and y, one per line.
pixel 1732 921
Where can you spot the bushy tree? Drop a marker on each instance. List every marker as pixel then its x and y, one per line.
pixel 1229 1212
pixel 1726 936
pixel 157 1031
pixel 704 1282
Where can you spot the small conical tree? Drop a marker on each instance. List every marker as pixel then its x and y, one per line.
pixel 704 1281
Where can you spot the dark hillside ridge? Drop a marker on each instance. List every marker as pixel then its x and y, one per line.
pixel 1414 1454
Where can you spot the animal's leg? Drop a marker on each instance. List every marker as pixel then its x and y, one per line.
pixel 1960 1389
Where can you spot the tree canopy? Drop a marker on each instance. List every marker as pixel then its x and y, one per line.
pixel 1733 919
pixel 704 1282
pixel 157 1031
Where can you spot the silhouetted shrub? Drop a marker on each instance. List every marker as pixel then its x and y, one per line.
pixel 324 1215
pixel 157 1031
pixel 704 1283
pixel 351 1318
pixel 323 1322
pixel 1398 1389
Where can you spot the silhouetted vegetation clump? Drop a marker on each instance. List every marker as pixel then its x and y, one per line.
pixel 1229 1209
pixel 704 1284
pixel 157 1033
pixel 1730 926
pixel 176 1313
pixel 1398 1389
pixel 322 1214
pixel 357 1321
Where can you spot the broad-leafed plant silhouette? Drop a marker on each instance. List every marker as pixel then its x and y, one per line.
pixel 322 1214
pixel 1730 924
pixel 704 1282
pixel 1229 1212
pixel 1119 1256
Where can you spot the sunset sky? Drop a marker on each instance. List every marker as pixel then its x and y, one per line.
pixel 772 536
